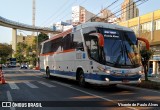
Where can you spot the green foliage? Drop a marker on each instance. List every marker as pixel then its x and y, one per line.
pixel 5 52
pixel 42 37
pixel 146 55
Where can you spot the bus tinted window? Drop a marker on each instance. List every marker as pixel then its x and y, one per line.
pixel 56 45
pixel 66 42
pixel 46 47
pixel 77 39
pixel 53 45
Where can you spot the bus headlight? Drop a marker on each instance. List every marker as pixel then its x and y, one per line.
pixel 104 70
pixel 140 72
pixel 107 79
pixel 139 80
pixel 107 71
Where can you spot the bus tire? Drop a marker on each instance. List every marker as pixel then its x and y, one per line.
pixel 48 73
pixel 81 79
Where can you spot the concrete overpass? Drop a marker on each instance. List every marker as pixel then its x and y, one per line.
pixel 16 25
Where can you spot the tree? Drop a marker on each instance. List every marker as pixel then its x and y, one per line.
pixel 146 55
pixel 41 37
pixel 21 52
pixel 5 51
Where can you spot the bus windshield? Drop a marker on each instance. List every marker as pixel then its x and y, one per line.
pixel 120 48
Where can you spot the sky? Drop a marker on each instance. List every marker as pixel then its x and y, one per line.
pixel 52 11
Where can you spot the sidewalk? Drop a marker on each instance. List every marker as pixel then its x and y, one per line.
pixel 155 78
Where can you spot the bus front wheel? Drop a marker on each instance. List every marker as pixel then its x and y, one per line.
pixel 81 79
pixel 48 72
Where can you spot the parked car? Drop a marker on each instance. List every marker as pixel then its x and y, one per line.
pixel 24 66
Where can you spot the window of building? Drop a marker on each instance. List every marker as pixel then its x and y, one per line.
pixel 157 24
pixel 146 27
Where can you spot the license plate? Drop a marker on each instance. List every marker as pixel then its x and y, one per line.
pixel 125 81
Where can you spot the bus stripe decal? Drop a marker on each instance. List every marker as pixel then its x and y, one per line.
pixel 94 76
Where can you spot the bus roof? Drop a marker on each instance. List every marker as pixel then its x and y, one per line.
pixel 90 24
pixel 102 24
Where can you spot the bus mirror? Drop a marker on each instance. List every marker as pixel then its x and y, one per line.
pixel 100 38
pixel 144 40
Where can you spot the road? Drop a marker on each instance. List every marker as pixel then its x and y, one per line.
pixel 31 85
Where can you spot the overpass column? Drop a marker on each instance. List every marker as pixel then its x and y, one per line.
pixel 14 41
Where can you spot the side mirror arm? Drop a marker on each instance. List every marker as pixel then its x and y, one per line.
pixel 144 40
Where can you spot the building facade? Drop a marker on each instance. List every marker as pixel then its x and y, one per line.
pixel 129 10
pixel 80 15
pixel 29 39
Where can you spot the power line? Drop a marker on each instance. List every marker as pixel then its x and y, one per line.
pixel 143 1
pixel 73 10
pixel 53 15
pixel 103 9
pixel 63 11
pixel 137 5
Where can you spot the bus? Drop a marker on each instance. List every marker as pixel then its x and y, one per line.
pixel 95 53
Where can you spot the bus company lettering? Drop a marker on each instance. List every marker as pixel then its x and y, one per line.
pixel 113 36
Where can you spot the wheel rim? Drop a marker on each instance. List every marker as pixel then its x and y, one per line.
pixel 81 80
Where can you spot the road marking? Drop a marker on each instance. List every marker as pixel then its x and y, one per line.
pixel 63 84
pixel 97 96
pixel 13 86
pixel 10 99
pixel 30 85
pixel 46 84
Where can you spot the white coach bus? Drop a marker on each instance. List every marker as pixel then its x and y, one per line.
pixel 94 52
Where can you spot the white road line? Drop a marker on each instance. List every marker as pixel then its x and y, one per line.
pixel 46 84
pixel 10 99
pixel 30 85
pixel 63 84
pixel 13 86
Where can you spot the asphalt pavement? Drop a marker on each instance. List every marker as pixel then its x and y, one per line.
pixel 29 86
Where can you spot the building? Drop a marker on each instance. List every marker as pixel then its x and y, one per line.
pixel 62 26
pixel 106 14
pixel 129 10
pixel 148 26
pixel 29 39
pixel 20 38
pixel 80 15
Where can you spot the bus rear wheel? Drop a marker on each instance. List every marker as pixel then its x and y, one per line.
pixel 48 73
pixel 81 79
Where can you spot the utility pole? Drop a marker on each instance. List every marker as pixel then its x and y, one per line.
pixel 33 14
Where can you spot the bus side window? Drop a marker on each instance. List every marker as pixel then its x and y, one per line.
pixel 77 40
pixel 66 42
pixel 94 48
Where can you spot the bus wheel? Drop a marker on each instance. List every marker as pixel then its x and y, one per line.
pixel 48 72
pixel 81 79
